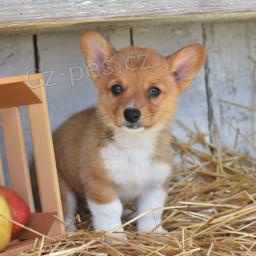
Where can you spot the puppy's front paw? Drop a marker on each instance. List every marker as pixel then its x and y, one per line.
pixel 160 230
pixel 115 238
pixel 149 226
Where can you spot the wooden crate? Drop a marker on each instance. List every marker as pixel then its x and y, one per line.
pixel 29 90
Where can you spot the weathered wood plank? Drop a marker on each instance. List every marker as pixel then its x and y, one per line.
pixel 16 57
pixel 40 13
pixel 16 54
pixel 69 89
pixel 252 59
pixel 168 39
pixel 231 80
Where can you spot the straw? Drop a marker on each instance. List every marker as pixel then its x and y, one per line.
pixel 210 210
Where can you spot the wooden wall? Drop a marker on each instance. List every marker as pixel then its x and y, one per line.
pixel 219 97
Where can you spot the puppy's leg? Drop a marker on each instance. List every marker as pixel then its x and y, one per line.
pixel 106 209
pixel 153 197
pixel 69 204
pixel 106 216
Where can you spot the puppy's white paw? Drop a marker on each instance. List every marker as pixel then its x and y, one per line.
pixel 115 238
pixel 149 226
pixel 160 230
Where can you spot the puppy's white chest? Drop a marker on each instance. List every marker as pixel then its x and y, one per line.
pixel 129 163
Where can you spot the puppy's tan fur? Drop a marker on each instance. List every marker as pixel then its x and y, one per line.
pixel 79 140
pixel 77 145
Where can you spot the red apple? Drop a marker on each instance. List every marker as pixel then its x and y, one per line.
pixel 19 209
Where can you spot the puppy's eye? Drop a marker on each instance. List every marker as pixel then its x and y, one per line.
pixel 154 92
pixel 117 89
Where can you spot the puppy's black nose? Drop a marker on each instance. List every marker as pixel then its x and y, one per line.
pixel 132 115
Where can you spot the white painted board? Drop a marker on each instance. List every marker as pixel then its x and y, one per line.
pixel 25 13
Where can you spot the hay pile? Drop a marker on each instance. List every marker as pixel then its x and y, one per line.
pixel 211 210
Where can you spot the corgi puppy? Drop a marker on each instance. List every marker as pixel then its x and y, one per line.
pixel 120 150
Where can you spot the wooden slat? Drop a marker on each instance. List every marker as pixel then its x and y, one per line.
pixel 231 82
pixel 10 95
pixel 2 178
pixel 12 88
pixel 19 78
pixel 16 154
pixel 28 14
pixel 44 157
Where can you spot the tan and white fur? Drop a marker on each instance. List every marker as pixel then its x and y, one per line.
pixel 119 151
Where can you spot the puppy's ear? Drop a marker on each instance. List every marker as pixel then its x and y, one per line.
pixel 95 48
pixel 185 63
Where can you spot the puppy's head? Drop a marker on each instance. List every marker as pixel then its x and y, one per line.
pixel 138 88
